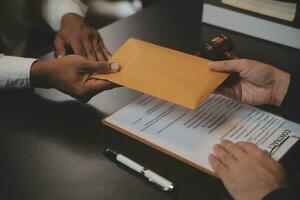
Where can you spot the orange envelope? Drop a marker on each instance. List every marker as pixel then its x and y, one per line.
pixel 170 75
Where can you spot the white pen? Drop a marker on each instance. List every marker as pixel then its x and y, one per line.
pixel 162 182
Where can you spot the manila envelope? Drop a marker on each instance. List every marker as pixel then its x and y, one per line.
pixel 170 75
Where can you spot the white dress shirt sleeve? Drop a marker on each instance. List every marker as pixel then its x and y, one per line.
pixel 15 72
pixel 54 10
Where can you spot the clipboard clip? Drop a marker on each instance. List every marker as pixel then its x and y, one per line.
pixel 276 147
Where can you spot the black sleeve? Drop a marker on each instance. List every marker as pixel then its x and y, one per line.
pixel 290 107
pixel 281 194
pixel 291 160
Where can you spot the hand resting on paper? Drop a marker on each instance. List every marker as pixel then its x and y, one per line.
pixel 247 172
pixel 253 82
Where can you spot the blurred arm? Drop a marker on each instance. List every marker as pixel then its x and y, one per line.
pixel 54 10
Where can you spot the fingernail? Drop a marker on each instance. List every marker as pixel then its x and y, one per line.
pixel 115 67
pixel 222 141
pixel 225 141
pixel 59 56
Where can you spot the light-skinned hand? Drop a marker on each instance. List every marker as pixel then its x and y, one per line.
pixel 255 83
pixel 247 172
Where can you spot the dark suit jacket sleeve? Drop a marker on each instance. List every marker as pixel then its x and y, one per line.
pixel 290 107
pixel 291 163
pixel 282 194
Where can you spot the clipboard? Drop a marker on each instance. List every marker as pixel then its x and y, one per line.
pixel 157 147
pixel 193 147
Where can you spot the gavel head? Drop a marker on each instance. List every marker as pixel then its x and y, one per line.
pixel 217 48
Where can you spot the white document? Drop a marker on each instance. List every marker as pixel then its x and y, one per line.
pixel 251 25
pixel 277 9
pixel 191 135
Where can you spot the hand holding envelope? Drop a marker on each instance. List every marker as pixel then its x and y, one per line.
pixel 173 76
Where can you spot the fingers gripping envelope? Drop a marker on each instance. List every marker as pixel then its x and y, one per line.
pixel 170 75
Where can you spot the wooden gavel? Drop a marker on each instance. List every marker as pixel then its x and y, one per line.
pixel 219 48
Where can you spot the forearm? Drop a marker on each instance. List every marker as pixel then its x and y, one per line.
pixel 15 72
pixel 54 10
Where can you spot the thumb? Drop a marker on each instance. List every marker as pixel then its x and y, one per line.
pixel 92 67
pixel 60 49
pixel 231 66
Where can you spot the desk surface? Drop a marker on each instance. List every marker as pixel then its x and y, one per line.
pixel 50 143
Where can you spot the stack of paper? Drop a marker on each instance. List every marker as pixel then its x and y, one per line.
pixel 277 9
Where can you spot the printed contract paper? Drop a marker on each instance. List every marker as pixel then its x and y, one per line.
pixel 190 135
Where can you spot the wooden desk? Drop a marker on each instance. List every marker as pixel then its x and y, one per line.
pixel 50 143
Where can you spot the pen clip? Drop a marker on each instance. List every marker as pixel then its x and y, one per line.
pixel 158 180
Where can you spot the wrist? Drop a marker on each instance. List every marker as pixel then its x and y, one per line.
pixel 40 75
pixel 281 85
pixel 71 16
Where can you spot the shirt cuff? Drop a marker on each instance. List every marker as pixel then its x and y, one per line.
pixel 15 72
pixel 54 10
